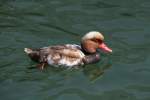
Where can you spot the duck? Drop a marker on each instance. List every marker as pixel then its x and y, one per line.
pixel 71 55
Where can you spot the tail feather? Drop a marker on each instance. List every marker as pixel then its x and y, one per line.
pixel 33 54
pixel 28 51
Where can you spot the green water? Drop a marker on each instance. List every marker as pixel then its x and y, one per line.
pixel 123 75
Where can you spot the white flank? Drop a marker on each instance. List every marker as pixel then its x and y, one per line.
pixel 50 61
pixel 66 62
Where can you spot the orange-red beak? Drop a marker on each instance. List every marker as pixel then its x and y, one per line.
pixel 105 48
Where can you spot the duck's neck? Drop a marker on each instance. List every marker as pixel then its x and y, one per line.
pixel 84 50
pixel 90 57
pixel 93 58
pixel 87 51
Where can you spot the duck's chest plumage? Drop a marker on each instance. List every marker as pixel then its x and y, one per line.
pixel 63 55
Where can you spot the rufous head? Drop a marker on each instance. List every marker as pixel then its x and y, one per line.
pixel 94 40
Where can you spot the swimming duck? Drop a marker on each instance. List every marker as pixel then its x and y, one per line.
pixel 70 55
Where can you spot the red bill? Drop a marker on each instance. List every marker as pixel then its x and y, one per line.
pixel 105 48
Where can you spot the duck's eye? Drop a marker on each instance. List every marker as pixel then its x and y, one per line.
pixel 97 41
pixel 100 41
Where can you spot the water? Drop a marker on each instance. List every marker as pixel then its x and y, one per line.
pixel 123 75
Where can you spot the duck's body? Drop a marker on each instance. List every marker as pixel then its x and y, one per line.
pixel 68 55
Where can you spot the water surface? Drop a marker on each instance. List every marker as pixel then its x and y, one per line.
pixel 123 75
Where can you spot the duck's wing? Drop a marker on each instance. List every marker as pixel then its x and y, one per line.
pixel 72 50
pixel 68 55
pixel 65 50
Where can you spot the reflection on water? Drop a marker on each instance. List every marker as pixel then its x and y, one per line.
pixel 94 72
pixel 123 75
pixel 100 4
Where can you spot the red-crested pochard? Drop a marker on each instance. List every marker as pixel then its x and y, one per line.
pixel 70 55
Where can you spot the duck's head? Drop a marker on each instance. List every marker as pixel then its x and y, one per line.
pixel 94 40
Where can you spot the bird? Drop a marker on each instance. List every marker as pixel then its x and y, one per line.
pixel 70 55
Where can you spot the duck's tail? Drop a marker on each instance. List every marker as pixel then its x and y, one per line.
pixel 33 54
pixel 28 51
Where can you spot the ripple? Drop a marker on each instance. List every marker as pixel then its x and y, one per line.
pixel 33 14
pixel 127 14
pixel 71 91
pixel 141 88
pixel 142 70
pixel 84 95
pixel 6 51
pixel 60 29
pixel 118 95
pixel 128 53
pixel 100 4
